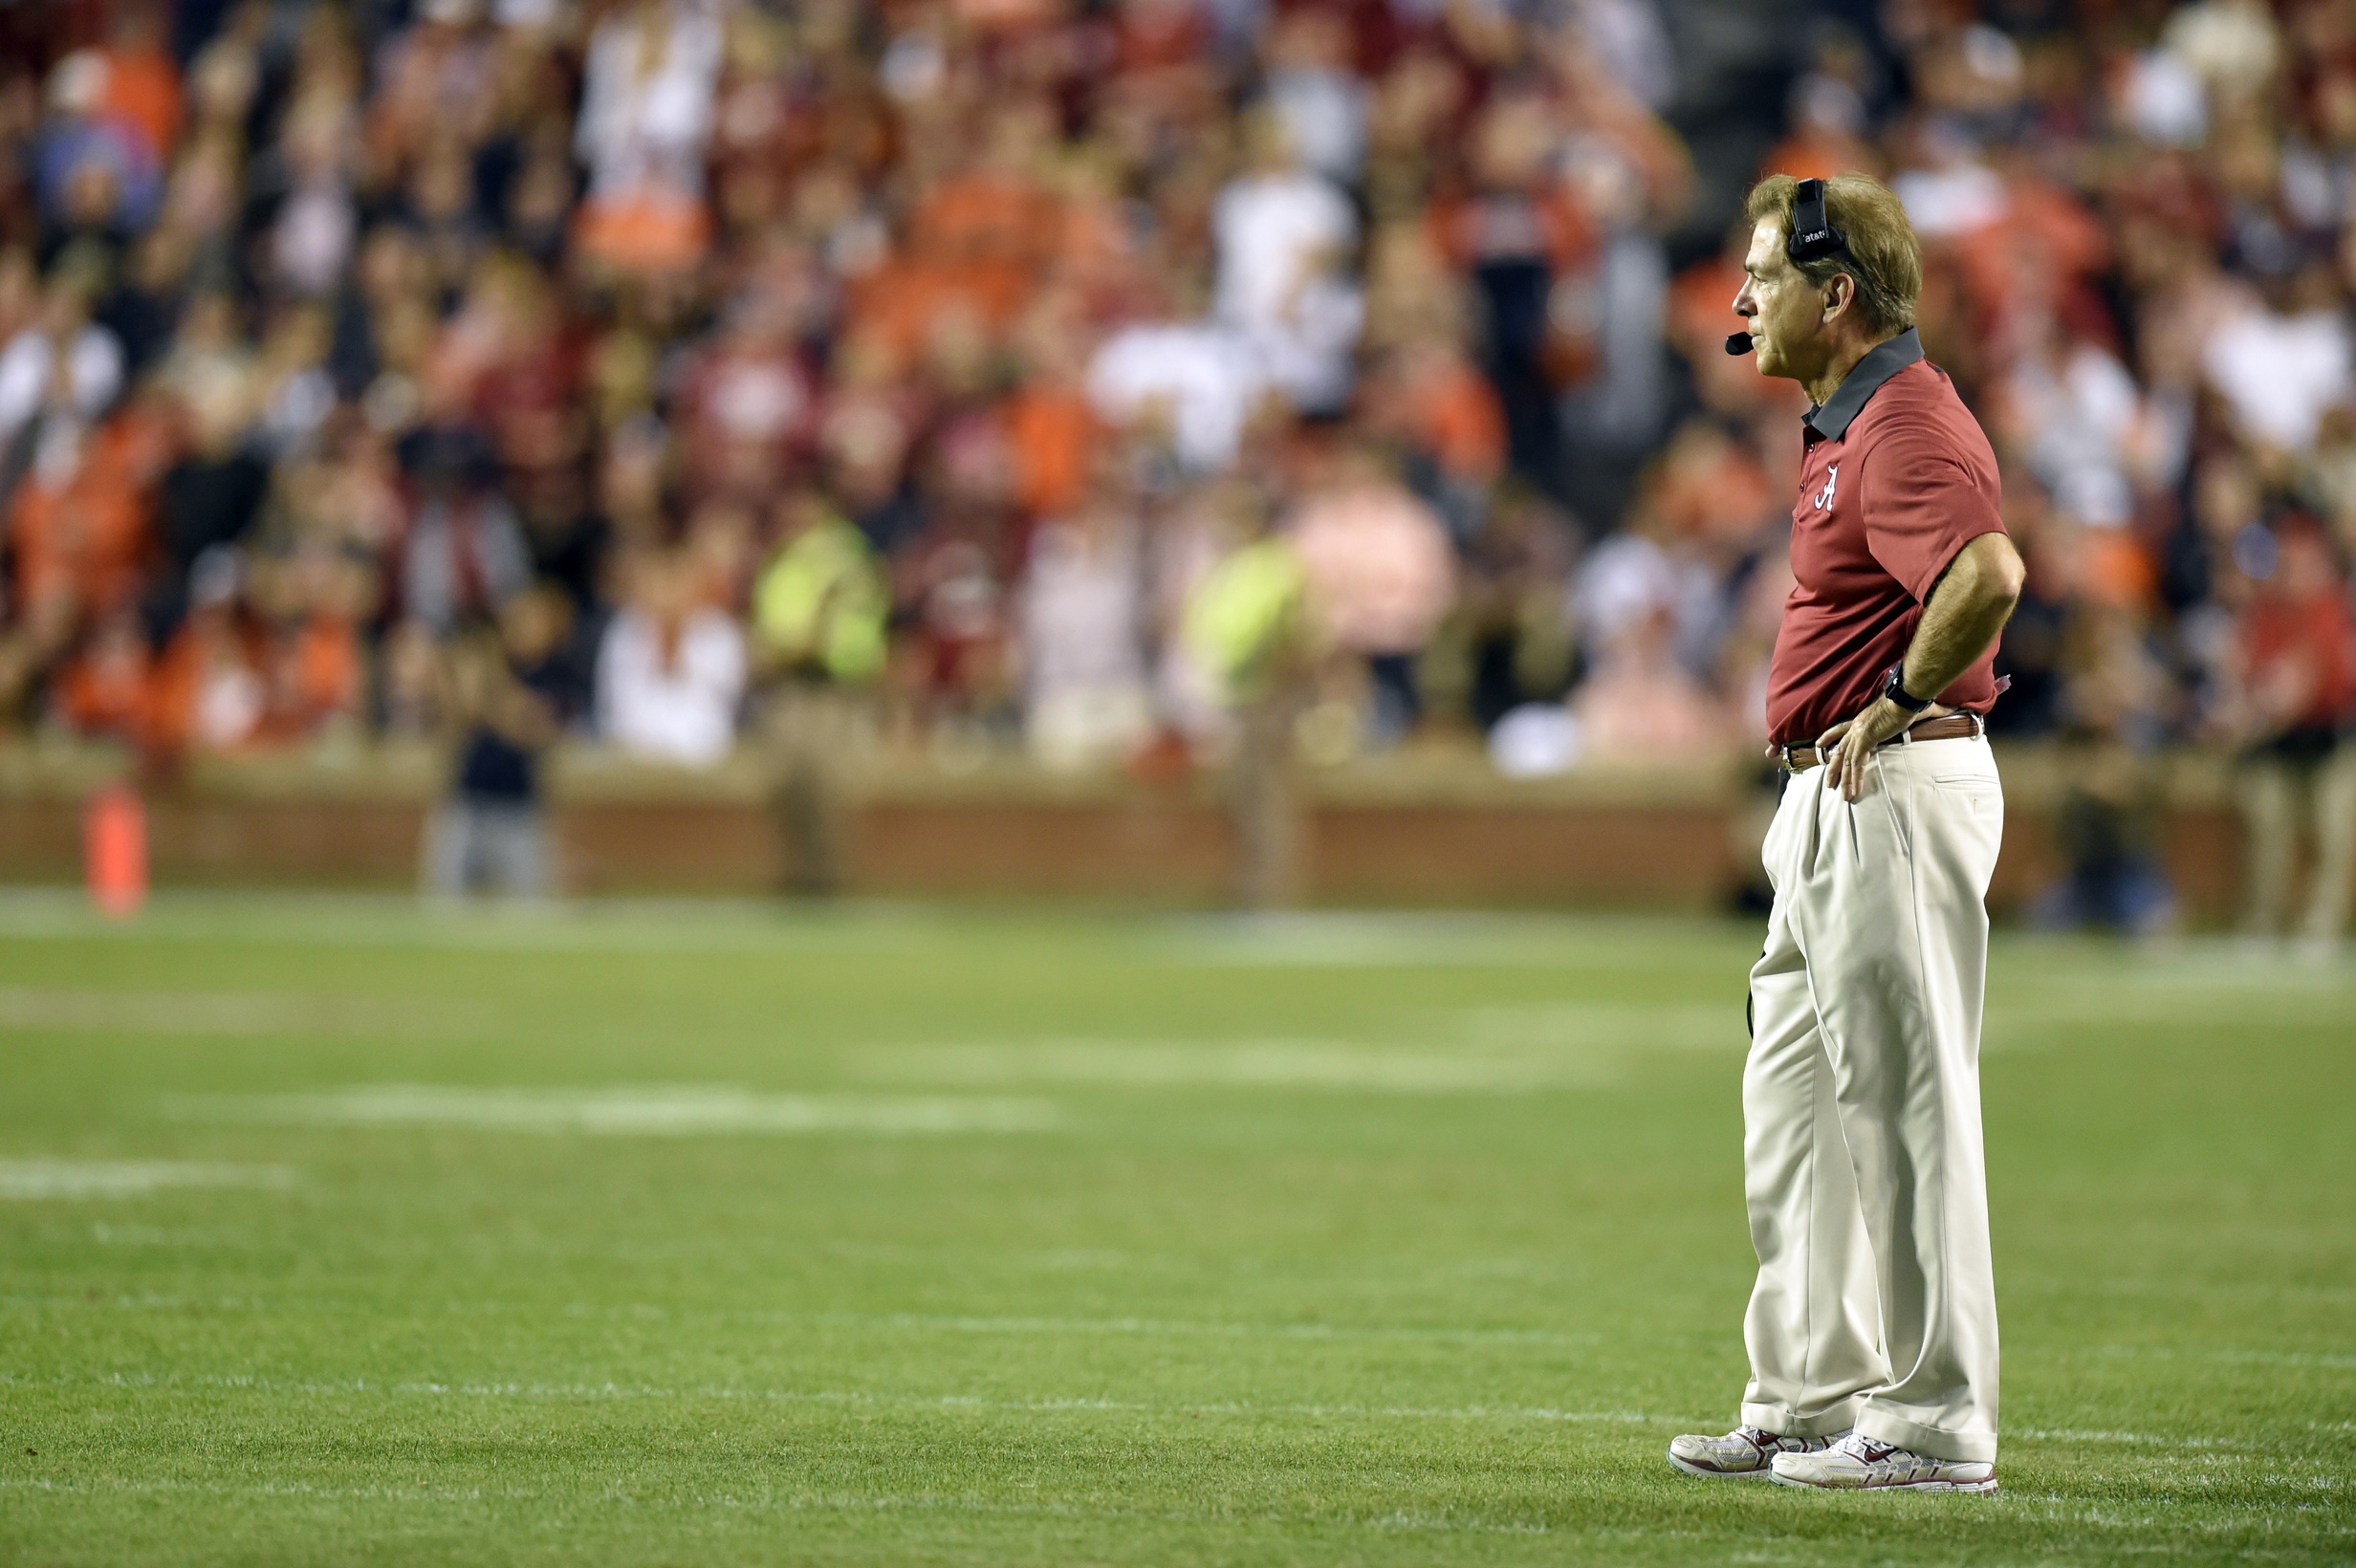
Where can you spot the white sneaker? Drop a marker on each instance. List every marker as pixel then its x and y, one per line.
pixel 1859 1464
pixel 1743 1453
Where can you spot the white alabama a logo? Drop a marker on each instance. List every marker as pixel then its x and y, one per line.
pixel 1824 498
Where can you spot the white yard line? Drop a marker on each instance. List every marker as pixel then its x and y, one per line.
pixel 727 1393
pixel 628 1493
pixel 895 1322
pixel 35 1179
pixel 1348 1065
pixel 221 1013
pixel 635 1492
pixel 2155 1440
pixel 1174 1328
pixel 2319 1359
pixel 651 1110
pixel 1429 938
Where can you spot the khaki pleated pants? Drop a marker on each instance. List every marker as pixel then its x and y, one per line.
pixel 2274 795
pixel 1875 1306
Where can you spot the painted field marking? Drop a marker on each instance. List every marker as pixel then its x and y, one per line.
pixel 882 1322
pixel 1234 1065
pixel 1610 1026
pixel 2324 1360
pixel 1423 940
pixel 219 1012
pixel 2155 1440
pixel 1480 1050
pixel 652 1110
pixel 792 1503
pixel 44 1178
pixel 338 919
pixel 1172 1328
pixel 594 1392
pixel 629 1491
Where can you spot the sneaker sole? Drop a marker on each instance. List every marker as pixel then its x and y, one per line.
pixel 1976 1489
pixel 1690 1468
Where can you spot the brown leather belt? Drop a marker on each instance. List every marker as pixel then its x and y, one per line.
pixel 1798 759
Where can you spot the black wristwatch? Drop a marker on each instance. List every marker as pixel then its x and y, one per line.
pixel 1893 686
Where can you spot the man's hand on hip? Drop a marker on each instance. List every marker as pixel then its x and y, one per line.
pixel 1847 745
pixel 1969 605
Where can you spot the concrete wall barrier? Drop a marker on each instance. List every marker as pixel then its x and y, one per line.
pixel 1435 828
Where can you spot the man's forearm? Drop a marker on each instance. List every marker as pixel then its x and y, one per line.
pixel 1968 608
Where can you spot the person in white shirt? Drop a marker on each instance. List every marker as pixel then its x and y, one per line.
pixel 63 361
pixel 1198 380
pixel 670 671
pixel 2280 370
pixel 1085 697
pixel 646 113
pixel 1283 236
pixel 1312 84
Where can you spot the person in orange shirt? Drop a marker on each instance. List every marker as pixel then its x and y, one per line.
pixel 994 211
pixel 271 661
pixel 105 690
pixel 1049 421
pixel 2298 646
pixel 975 244
pixel 308 600
pixel 314 677
pixel 79 533
pixel 205 693
pixel 142 86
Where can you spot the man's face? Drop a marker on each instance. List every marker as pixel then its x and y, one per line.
pixel 1786 311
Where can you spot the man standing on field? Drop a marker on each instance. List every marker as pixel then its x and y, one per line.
pixel 1872 1329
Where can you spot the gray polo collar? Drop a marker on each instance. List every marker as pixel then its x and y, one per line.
pixel 1830 419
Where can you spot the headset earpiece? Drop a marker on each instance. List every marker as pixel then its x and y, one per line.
pixel 1813 235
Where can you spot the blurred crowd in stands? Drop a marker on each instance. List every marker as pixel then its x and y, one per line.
pixel 486 370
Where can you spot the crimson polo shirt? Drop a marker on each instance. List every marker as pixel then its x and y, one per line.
pixel 1897 478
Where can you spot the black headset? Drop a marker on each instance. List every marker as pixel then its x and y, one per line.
pixel 1813 238
pixel 1813 235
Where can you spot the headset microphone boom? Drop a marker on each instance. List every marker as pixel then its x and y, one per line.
pixel 1813 235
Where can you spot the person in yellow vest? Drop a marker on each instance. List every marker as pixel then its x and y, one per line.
pixel 1246 624
pixel 820 611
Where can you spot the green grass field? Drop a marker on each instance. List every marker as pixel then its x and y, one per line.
pixel 333 1232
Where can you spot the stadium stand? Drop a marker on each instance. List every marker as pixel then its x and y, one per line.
pixel 869 391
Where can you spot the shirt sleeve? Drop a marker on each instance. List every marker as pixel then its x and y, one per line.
pixel 1922 504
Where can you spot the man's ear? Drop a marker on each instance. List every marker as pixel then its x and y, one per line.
pixel 1840 293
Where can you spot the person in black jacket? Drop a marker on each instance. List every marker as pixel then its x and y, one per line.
pixel 513 690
